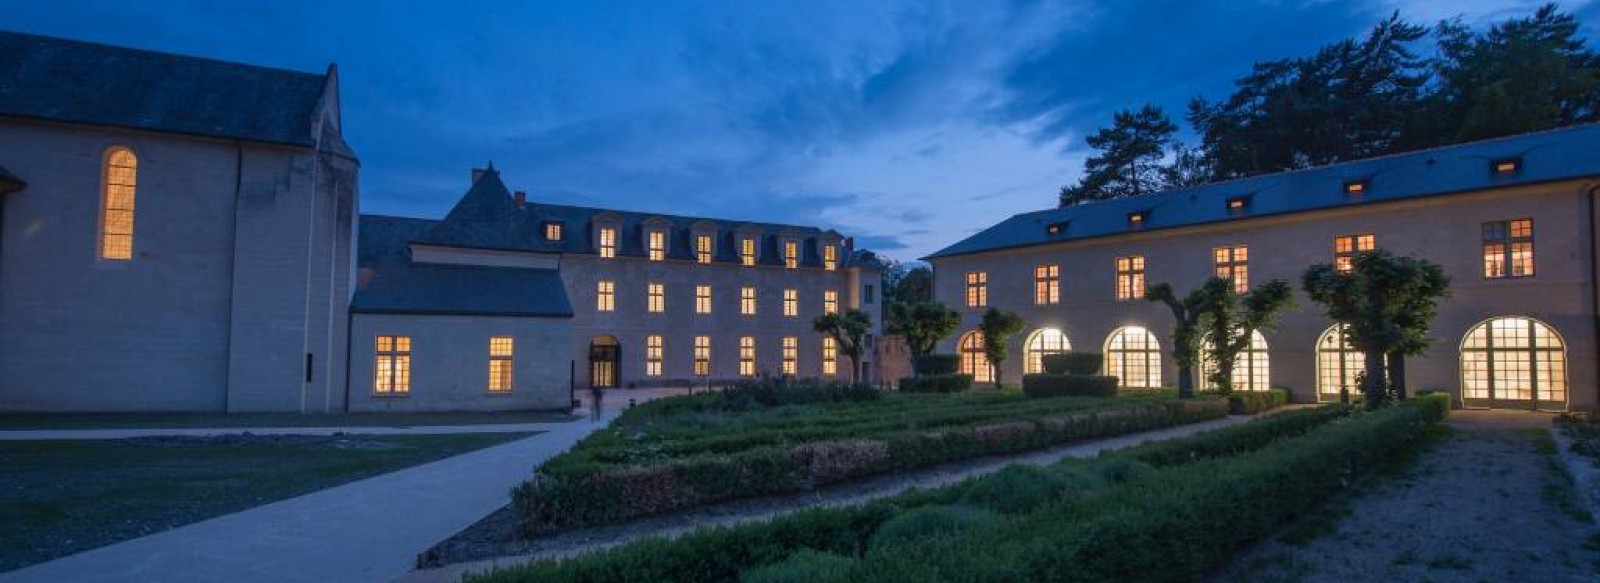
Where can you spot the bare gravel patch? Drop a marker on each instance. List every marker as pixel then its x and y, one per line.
pixel 1488 501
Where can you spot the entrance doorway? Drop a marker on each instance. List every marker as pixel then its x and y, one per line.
pixel 604 355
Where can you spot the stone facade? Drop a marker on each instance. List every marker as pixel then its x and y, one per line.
pixel 450 363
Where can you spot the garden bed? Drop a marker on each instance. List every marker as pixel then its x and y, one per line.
pixel 1191 500
pixel 687 451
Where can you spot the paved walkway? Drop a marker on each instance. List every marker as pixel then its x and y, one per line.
pixel 750 510
pixel 370 530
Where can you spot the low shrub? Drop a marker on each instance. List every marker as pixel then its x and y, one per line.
pixel 778 391
pixel 1436 405
pixel 1020 488
pixel 1087 363
pixel 936 364
pixel 941 383
pixel 1068 385
pixel 804 566
pixel 1120 470
pixel 1232 440
pixel 929 521
pixel 1252 402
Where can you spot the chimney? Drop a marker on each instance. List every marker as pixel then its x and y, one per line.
pixel 476 174
pixel 849 243
pixel 521 197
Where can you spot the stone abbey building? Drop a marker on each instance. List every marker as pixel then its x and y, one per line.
pixel 1511 220
pixel 184 234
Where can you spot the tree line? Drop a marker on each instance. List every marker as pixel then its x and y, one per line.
pixel 1357 98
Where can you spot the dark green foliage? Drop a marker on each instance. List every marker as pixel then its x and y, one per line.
pixel 847 328
pixel 1040 386
pixel 1128 162
pixel 1187 313
pixel 1387 304
pixel 775 391
pixel 936 364
pixel 1252 402
pixel 998 327
pixel 940 383
pixel 1021 488
pixel 906 285
pixel 1233 440
pixel 1073 363
pixel 923 324
pixel 1231 320
pixel 927 522
pixel 804 566
pixel 1120 470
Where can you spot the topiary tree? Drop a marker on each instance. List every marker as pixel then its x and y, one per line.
pixel 998 327
pixel 923 324
pixel 1387 304
pixel 1188 312
pixel 1231 321
pixel 847 328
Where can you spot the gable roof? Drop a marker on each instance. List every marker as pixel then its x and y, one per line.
pixel 387 282
pixel 1563 154
pixel 55 79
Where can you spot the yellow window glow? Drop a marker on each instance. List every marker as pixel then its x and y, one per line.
pixel 118 187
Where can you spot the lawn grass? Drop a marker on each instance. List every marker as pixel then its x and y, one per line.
pixel 206 420
pixel 62 497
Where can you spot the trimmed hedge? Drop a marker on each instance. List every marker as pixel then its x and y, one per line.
pixel 936 364
pixel 1233 440
pixel 941 383
pixel 1086 363
pixel 1252 402
pixel 722 554
pixel 1068 385
pixel 566 494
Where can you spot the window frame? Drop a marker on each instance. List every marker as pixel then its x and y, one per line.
pixel 830 356
pixel 553 231
pixel 702 356
pixel 1510 243
pixel 747 356
pixel 702 299
pixel 791 254
pixel 791 303
pixel 748 253
pixel 791 355
pixel 1130 284
pixel 1346 247
pixel 747 300
pixel 654 355
pixel 830 301
pixel 605 296
pixel 607 242
pixel 104 237
pixel 397 353
pixel 1046 284
pixel 703 249
pixel 502 364
pixel 656 245
pixel 830 257
pixel 655 298
pixel 1232 262
pixel 977 289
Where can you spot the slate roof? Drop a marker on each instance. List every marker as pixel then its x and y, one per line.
pixel 63 80
pixel 488 217
pixel 1563 154
pixel 388 282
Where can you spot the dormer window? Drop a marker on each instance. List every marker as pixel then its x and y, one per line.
pixel 830 257
pixel 1355 187
pixel 608 242
pixel 791 254
pixel 1137 219
pixel 747 251
pixel 552 231
pixel 1238 204
pixel 702 248
pixel 1507 166
pixel 658 245
pixel 1056 228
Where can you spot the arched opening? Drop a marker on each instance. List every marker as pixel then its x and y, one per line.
pixel 1043 341
pixel 1133 355
pixel 604 354
pixel 1250 368
pixel 1338 365
pixel 973 361
pixel 1513 362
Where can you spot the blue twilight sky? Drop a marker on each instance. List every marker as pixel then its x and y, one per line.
pixel 908 123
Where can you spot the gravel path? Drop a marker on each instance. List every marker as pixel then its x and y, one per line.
pixel 489 537
pixel 1488 502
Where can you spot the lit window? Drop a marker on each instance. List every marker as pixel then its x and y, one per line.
pixel 702 248
pixel 1055 228
pixel 1513 362
pixel 1046 341
pixel 1355 187
pixel 830 356
pixel 830 257
pixel 830 301
pixel 1238 204
pixel 1508 249
pixel 1134 356
pixel 1338 365
pixel 656 298
pixel 552 231
pixel 702 299
pixel 393 365
pixel 1233 263
pixel 702 356
pixel 791 354
pixel 500 363
pixel 977 289
pixel 1345 248
pixel 791 302
pixel 1137 219
pixel 747 356
pixel 747 251
pixel 117 189
pixel 606 296
pixel 1130 277
pixel 1250 372
pixel 747 301
pixel 791 254
pixel 1047 284
pixel 653 352
pixel 608 242
pixel 973 359
pixel 658 245
pixel 1507 166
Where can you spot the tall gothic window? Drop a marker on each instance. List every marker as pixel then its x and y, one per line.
pixel 119 182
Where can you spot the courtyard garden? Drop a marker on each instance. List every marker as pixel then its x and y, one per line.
pixel 1192 502
pixel 62 497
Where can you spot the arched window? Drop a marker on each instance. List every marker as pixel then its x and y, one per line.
pixel 1513 362
pixel 1041 342
pixel 1250 371
pixel 1134 356
pixel 118 183
pixel 1337 365
pixel 973 361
